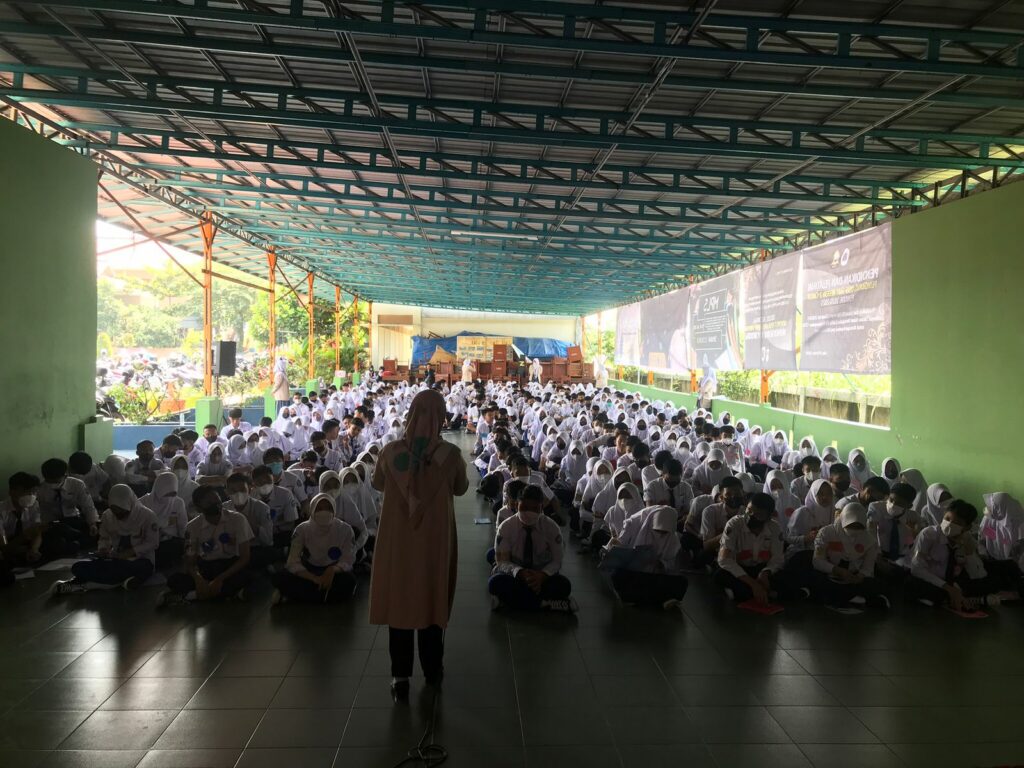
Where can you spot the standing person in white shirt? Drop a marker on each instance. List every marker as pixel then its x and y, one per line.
pixel 945 568
pixel 320 559
pixel 128 538
pixel 844 563
pixel 528 558
pixel 217 554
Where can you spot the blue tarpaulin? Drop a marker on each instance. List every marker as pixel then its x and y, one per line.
pixel 423 347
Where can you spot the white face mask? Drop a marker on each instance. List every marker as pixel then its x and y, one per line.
pixel 239 498
pixel 727 440
pixel 323 517
pixel 26 501
pixel 950 529
pixel 181 474
pixel 265 490
pixel 805 451
pixel 333 492
pixel 602 480
pixel 529 518
pixel 779 443
pixel 263 443
pixel 892 510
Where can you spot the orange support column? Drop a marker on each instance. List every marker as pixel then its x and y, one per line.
pixel 583 336
pixel 272 308
pixel 310 366
pixel 369 331
pixel 337 328
pixel 355 334
pixel 693 380
pixel 208 232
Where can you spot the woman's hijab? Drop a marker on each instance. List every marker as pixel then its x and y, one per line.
pixel 410 464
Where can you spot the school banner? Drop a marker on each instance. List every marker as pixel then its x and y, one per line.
pixel 847 304
pixel 827 308
pixel 771 291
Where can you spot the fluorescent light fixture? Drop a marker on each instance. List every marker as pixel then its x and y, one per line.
pixel 500 235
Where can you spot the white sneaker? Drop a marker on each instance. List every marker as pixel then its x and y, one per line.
pixel 168 598
pixel 857 600
pixel 672 605
pixel 984 601
pixel 277 598
pixel 66 587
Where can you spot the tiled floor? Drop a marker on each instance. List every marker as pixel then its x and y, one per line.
pixel 105 680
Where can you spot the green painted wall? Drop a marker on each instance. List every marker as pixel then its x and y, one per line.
pixel 957 352
pixel 48 299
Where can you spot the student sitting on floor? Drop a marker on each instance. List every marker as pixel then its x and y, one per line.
pixel 597 481
pixel 750 559
pixel 216 554
pixel 164 502
pixel 511 494
pixel 528 558
pixel 711 472
pixel 817 512
pixel 874 489
pixel 69 517
pixel 715 517
pixel 128 538
pixel 141 471
pixel 610 527
pixel 844 562
pixel 659 583
pixel 186 485
pixel 284 510
pixel 945 568
pixel 82 467
pixel 841 482
pixel 1001 541
pixel 810 470
pixel 343 490
pixel 215 469
pixel 670 488
pixel 21 526
pixel 262 552
pixel 895 525
pixel 320 559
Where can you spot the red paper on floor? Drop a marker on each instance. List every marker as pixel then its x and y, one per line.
pixel 755 607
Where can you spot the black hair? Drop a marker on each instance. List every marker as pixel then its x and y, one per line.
pixel 266 421
pixel 272 453
pixel 965 512
pixel 261 470
pixel 514 489
pixel 235 413
pixel 877 484
pixel 532 493
pixel 729 481
pixel 660 458
pixel 233 432
pixel 838 469
pixel 673 467
pixel 53 469
pixel 189 434
pixel 330 424
pixel 809 460
pixel 318 435
pixel 141 443
pixel 640 450
pixel 209 426
pixel 172 440
pixel 22 481
pixel 357 422
pixel 238 477
pixel 517 460
pixel 202 492
pixel 904 492
pixel 80 462
pixel 762 501
pixel 309 456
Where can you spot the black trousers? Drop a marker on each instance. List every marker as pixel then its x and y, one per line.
pixel 831 592
pixel 431 643
pixel 1006 574
pixel 170 552
pixel 919 589
pixel 779 582
pixel 300 590
pixel 648 588
pixel 183 583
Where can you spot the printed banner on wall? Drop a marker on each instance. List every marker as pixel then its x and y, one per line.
pixel 826 308
pixel 770 313
pixel 847 304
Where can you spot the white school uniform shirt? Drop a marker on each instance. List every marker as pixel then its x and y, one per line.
pixel 615 517
pixel 170 514
pixel 222 541
pixel 835 545
pixel 1002 527
pixel 283 507
pixel 194 458
pixel 95 480
pixel 347 510
pixel 931 556
pixel 807 518
pixel 741 548
pixel 321 546
pixel 680 497
pixel 881 524
pixel 30 518
pixel 714 518
pixel 257 514
pixel 331 459
pixel 75 501
pixel 293 483
pixel 204 445
pixel 244 426
pixel 140 526
pixel 511 537
pixel 631 526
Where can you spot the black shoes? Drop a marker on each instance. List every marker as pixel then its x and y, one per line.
pixel 399 690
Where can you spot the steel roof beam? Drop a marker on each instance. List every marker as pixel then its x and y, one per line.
pixel 925 54
pixel 794 145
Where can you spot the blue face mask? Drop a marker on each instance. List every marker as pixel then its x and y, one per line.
pixel 277 467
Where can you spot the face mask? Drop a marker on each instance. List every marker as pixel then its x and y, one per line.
pixel 727 440
pixel 276 467
pixel 779 443
pixel 892 510
pixel 950 529
pixel 323 517
pixel 264 490
pixel 725 420
pixel 321 448
pixel 26 501
pixel 841 486
pixel 777 494
pixel 528 517
pixel 263 443
pixel 811 475
pixel 181 474
pixel 239 498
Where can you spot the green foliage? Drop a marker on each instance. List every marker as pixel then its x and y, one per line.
pixel 136 404
pixel 607 345
pixel 104 344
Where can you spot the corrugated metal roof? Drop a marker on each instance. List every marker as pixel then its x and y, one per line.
pixel 518 155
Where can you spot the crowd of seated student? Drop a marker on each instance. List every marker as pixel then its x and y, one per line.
pixel 211 512
pixel 766 522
